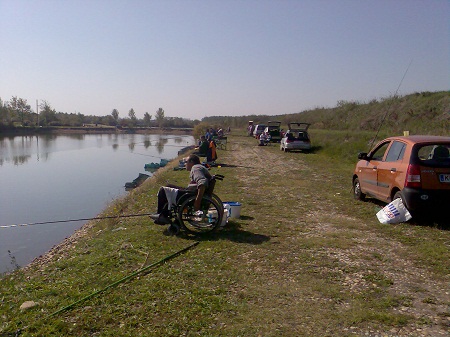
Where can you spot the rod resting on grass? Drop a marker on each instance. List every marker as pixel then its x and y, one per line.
pixel 125 279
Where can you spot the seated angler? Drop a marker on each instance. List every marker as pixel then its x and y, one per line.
pixel 168 195
pixel 203 147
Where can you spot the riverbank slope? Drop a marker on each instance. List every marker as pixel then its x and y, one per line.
pixel 304 259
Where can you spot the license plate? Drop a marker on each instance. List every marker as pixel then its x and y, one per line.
pixel 444 178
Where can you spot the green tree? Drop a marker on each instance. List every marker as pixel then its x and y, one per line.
pixel 4 112
pixel 160 117
pixel 147 119
pixel 132 116
pixel 47 114
pixel 21 109
pixel 115 114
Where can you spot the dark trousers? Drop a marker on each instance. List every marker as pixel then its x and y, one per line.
pixel 162 198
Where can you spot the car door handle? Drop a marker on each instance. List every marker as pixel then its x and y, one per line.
pixel 393 169
pixel 374 168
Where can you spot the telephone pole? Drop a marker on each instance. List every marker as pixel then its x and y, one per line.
pixel 37 112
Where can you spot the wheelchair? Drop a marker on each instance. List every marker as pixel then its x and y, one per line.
pixel 207 219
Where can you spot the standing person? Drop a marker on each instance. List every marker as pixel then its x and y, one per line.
pixel 212 153
pixel 208 135
pixel 167 195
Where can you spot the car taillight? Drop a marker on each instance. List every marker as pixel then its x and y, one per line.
pixel 413 176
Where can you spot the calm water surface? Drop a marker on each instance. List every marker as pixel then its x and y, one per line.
pixel 63 177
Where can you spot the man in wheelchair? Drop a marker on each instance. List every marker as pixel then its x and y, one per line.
pixel 169 195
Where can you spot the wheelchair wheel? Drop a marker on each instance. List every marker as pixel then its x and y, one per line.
pixel 216 198
pixel 209 221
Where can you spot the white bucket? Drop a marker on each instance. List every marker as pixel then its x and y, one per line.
pixel 212 213
pixel 234 208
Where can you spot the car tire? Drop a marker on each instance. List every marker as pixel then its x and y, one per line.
pixel 416 215
pixel 397 195
pixel 357 193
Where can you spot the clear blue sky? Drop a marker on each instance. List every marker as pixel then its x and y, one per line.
pixel 197 58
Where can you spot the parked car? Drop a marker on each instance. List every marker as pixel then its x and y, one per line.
pixel 413 168
pixel 296 138
pixel 272 131
pixel 259 128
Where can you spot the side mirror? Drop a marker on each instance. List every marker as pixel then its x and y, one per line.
pixel 362 156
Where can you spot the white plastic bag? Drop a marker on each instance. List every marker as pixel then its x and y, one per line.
pixel 394 212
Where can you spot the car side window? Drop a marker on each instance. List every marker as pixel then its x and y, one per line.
pixel 378 153
pixel 396 152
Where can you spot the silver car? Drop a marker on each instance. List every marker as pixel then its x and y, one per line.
pixel 296 138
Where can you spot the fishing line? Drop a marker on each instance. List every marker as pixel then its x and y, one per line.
pixel 390 104
pixel 73 220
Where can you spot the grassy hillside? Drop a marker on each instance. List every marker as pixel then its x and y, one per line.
pixel 420 113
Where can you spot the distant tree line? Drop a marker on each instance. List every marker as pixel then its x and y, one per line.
pixel 18 113
pixel 420 112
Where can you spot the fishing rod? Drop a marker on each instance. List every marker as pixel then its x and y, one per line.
pixel 142 270
pixel 390 104
pixel 73 220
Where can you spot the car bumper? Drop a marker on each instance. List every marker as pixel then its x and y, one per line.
pixel 425 201
pixel 298 146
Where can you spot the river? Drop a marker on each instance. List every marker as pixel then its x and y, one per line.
pixel 48 178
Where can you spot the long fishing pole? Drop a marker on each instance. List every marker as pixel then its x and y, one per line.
pixel 73 220
pixel 390 104
pixel 125 278
pixel 95 293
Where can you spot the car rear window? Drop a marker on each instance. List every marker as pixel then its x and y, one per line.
pixel 434 154
pixel 302 136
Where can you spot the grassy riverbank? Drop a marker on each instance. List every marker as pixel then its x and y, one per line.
pixel 305 259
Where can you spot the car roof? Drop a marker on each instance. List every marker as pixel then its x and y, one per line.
pixel 415 139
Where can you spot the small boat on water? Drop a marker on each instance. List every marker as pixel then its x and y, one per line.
pixel 136 182
pixel 186 149
pixel 152 166
pixel 163 162
pixel 155 166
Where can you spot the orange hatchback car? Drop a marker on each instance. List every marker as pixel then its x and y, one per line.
pixel 414 168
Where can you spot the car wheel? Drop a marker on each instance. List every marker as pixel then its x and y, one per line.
pixel 397 195
pixel 357 194
pixel 416 215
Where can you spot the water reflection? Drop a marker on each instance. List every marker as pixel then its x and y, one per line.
pixel 20 149
pixel 160 144
pixel 67 177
